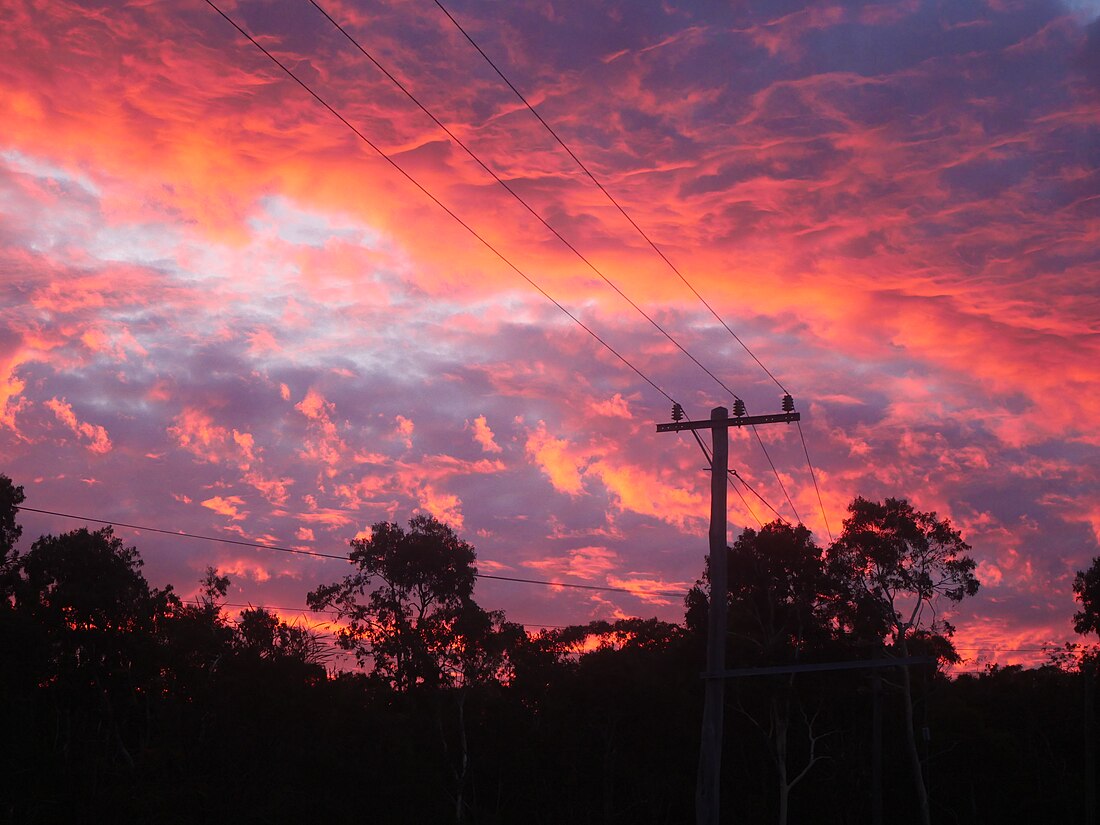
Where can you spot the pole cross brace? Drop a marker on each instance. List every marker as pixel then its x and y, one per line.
pixel 743 421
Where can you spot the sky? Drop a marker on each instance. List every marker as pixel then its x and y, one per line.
pixel 223 311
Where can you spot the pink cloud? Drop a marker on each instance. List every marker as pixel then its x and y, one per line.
pixel 226 506
pixel 614 407
pixel 484 436
pixel 651 590
pixel 553 457
pixel 582 563
pixel 403 429
pixel 99 441
pixel 196 431
pixel 447 507
pixel 11 389
pixel 326 447
pixel 909 247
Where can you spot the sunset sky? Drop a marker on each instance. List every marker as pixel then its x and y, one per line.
pixel 222 312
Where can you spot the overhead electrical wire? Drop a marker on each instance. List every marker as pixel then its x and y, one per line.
pixel 478 236
pixel 519 199
pixel 408 176
pixel 599 185
pixel 763 500
pixel 316 554
pixel 569 245
pixel 710 467
pixel 813 476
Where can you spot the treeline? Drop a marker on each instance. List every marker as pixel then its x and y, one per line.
pixel 122 703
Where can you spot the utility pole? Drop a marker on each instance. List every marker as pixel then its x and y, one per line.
pixel 708 784
pixel 709 779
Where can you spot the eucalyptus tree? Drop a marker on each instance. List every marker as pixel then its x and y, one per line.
pixel 1086 589
pixel 893 564
pixel 780 613
pixel 408 610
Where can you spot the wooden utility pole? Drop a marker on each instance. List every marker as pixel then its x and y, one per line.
pixel 709 779
pixel 708 785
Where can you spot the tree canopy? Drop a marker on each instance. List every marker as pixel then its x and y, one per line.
pixel 408 602
pixel 892 562
pixel 125 702
pixel 1086 588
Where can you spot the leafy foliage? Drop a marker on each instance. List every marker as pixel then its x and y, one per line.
pixel 11 497
pixel 407 606
pixel 123 703
pixel 1086 588
pixel 892 563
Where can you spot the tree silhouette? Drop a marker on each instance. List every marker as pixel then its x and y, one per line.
pixel 1086 589
pixel 780 603
pixel 892 564
pixel 10 531
pixel 409 609
pixel 87 629
pixel 401 602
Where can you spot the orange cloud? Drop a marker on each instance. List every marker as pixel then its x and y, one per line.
pixel 404 430
pixel 95 434
pixel 650 493
pixel 11 388
pixel 484 436
pixel 326 447
pixel 583 563
pixel 195 431
pixel 226 506
pixel 552 456
pixel 651 590
pixel 446 507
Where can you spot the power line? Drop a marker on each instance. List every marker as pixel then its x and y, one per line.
pixel 519 198
pixel 782 486
pixel 606 193
pixel 710 461
pixel 185 535
pixel 485 242
pixel 599 185
pixel 733 473
pixel 436 200
pixel 813 476
pixel 561 237
pixel 584 259
pixel 583 586
pixel 299 552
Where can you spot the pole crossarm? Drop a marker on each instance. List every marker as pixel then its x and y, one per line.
pixel 743 421
pixel 859 664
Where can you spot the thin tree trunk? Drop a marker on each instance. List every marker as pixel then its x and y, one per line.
pixel 463 757
pixel 911 741
pixel 876 748
pixel 780 722
pixel 1089 673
